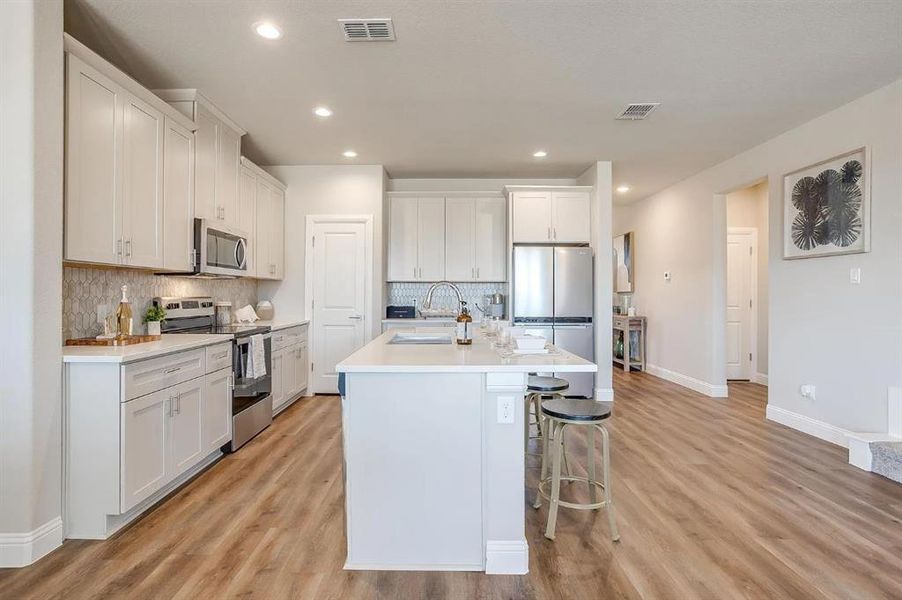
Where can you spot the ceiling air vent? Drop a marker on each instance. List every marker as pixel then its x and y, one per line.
pixel 367 30
pixel 637 112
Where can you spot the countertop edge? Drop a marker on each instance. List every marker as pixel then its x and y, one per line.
pixel 147 353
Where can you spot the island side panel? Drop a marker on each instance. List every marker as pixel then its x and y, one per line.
pixel 504 466
pixel 413 471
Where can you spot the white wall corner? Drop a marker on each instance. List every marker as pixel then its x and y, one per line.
pixel 506 557
pixel 860 452
pixel 760 378
pixel 818 429
pixel 23 549
pixel 604 394
pixel 702 387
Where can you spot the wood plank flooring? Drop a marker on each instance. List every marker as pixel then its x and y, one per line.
pixel 713 502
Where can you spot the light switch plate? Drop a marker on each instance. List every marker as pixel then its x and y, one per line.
pixel 855 275
pixel 506 410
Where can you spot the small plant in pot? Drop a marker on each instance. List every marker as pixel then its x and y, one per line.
pixel 153 317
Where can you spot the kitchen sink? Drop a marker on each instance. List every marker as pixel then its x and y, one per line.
pixel 420 338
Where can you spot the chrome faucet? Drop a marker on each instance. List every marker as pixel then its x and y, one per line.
pixel 427 302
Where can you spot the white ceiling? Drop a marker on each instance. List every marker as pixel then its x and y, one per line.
pixel 471 89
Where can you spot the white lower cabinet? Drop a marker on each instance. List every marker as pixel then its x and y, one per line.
pixel 125 451
pixel 144 434
pixel 217 410
pixel 290 366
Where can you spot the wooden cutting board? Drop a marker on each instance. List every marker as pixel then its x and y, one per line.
pixel 125 341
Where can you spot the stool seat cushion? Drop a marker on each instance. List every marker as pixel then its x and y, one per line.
pixel 576 410
pixel 536 383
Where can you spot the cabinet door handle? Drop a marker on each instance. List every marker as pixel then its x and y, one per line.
pixel 171 406
pixel 549 233
pixel 172 370
pixel 231 381
pixel 128 247
pixel 554 232
pixel 477 272
pixel 355 317
pixel 119 247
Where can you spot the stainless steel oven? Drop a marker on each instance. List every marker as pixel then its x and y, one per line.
pixel 219 250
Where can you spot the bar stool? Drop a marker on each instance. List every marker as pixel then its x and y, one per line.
pixel 560 413
pixel 537 388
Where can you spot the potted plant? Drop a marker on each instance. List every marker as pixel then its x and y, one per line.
pixel 154 315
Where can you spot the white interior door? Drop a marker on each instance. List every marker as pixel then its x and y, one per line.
pixel 740 291
pixel 339 298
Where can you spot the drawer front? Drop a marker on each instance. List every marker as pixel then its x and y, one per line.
pixel 148 376
pixel 289 337
pixel 219 357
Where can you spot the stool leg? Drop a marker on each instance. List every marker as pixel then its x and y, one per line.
pixel 536 405
pixel 543 472
pixel 557 451
pixel 606 473
pixel 590 465
pixel 566 462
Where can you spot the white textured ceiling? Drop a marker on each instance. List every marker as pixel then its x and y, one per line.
pixel 471 89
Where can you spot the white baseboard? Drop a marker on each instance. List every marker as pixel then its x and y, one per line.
pixel 760 378
pixel 23 549
pixel 819 429
pixel 506 557
pixel 604 394
pixel 702 387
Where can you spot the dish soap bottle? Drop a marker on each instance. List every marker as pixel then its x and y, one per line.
pixel 124 315
pixel 464 326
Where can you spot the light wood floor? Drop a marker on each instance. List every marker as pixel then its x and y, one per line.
pixel 713 501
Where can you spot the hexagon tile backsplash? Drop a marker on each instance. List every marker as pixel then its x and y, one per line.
pixel 85 288
pixel 413 294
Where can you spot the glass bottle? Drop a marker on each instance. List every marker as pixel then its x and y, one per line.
pixel 464 326
pixel 124 315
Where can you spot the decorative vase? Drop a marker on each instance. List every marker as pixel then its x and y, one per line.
pixel 153 328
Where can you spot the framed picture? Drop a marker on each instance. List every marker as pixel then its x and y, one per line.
pixel 624 251
pixel 826 207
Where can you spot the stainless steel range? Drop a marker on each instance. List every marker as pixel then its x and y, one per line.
pixel 251 397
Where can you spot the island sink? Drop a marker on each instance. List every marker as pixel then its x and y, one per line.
pixel 406 337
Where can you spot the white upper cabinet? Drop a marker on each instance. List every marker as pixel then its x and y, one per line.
pixel 475 239
pixel 532 217
pixel 491 239
pixel 247 214
pixel 206 144
pixel 402 239
pixel 116 166
pixel 431 239
pixel 93 208
pixel 460 239
pixel 264 218
pixel 142 184
pixel 551 216
pixel 571 220
pixel 218 156
pixel 178 197
pixel 416 245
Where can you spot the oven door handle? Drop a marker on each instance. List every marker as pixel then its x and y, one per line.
pixel 247 340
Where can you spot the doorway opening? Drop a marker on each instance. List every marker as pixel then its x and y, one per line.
pixel 746 284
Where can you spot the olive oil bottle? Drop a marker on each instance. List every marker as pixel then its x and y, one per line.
pixel 124 315
pixel 464 326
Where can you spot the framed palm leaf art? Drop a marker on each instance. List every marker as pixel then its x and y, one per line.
pixel 826 207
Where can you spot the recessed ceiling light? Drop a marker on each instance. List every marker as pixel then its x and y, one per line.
pixel 322 111
pixel 540 154
pixel 349 154
pixel 623 188
pixel 268 30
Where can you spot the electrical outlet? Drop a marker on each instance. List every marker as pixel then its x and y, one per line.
pixel 506 409
pixel 667 276
pixel 102 311
pixel 808 391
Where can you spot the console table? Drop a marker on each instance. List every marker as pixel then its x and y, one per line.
pixel 626 324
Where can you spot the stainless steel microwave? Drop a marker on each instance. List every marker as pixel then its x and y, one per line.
pixel 219 250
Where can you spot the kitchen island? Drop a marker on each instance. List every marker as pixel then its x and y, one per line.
pixel 433 453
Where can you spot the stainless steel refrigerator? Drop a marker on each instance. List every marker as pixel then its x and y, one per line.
pixel 553 293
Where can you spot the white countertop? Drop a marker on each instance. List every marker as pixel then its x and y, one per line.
pixel 421 320
pixel 171 342
pixel 381 357
pixel 279 324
